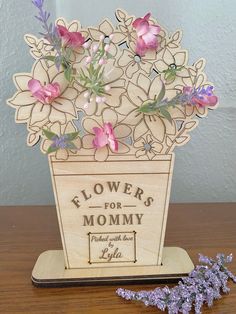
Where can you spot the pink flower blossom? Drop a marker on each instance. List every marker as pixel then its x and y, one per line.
pixel 105 136
pixel 45 94
pixel 202 96
pixel 146 35
pixel 71 39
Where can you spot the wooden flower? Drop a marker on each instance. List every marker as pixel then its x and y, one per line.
pixel 29 109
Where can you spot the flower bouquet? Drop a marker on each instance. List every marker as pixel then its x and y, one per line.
pixel 108 105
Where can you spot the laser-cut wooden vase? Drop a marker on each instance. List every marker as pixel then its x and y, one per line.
pixel 112 207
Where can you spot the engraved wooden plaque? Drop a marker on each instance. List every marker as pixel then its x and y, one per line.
pixel 112 205
pixel 111 217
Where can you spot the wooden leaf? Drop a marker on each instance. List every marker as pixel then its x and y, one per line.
pixel 192 72
pixel 168 141
pixel 176 36
pixel 36 53
pixel 199 65
pixel 172 45
pixel 122 28
pixel 190 125
pixel 40 45
pixel 129 21
pixel 200 80
pixel 33 139
pixel 30 40
pixel 120 14
pixel 181 140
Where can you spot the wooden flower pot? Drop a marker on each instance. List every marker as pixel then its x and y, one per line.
pixel 112 217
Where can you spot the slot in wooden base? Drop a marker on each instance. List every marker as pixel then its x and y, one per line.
pixel 49 270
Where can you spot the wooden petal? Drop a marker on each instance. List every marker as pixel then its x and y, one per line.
pixel 70 128
pixel 40 73
pixel 140 152
pixel 146 66
pixel 112 73
pixel 122 131
pixel 89 124
pixel 126 106
pixel 176 113
pixel 168 57
pixel 23 113
pixel 40 112
pixel 118 37
pixel 22 99
pixel 80 103
pixel 170 127
pixel 88 141
pixel 109 115
pixel 106 27
pixel 189 110
pixel 70 93
pixel 56 128
pixel 139 143
pixel 113 49
pixel 155 87
pixel 64 105
pixel 61 80
pixel 133 118
pixel 101 154
pixel 156 126
pixel 144 81
pixel 61 21
pixel 157 147
pixel 180 58
pixel 136 94
pixel 132 68
pixel 114 98
pixel 74 26
pixel 140 130
pixel 62 154
pixel 94 33
pixel 126 57
pixel 122 148
pixel 183 73
pixel 78 143
pixel 57 116
pixel 21 81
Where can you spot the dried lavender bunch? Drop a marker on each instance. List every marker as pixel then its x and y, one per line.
pixel 202 286
pixel 50 31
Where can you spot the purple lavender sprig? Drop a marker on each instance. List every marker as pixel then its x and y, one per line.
pixel 50 31
pixel 203 285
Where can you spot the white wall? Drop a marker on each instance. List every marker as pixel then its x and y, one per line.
pixel 205 169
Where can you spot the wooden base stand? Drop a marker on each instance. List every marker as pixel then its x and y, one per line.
pixel 49 270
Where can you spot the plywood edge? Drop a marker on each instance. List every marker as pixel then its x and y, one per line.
pixel 50 270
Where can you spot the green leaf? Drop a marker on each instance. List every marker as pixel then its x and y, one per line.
pixel 52 149
pixel 170 76
pixel 161 94
pixel 68 74
pixel 50 58
pixel 109 56
pixel 71 146
pixel 165 113
pixel 49 134
pixel 71 136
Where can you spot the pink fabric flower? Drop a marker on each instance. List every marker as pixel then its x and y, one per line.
pixel 105 136
pixel 45 94
pixel 202 96
pixel 146 35
pixel 71 39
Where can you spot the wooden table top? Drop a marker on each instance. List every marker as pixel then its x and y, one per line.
pixel 25 232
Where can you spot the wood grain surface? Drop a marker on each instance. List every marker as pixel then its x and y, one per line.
pixel 25 232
